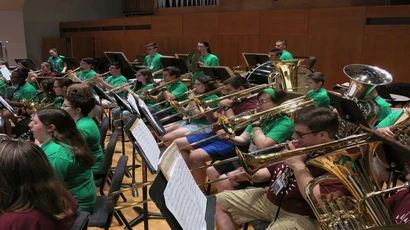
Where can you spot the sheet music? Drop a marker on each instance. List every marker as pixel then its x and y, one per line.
pixel 147 112
pixel 133 103
pixel 6 72
pixel 184 199
pixel 168 159
pixel 146 141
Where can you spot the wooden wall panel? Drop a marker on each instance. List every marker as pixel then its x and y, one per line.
pixel 189 43
pixel 246 44
pixel 284 21
pixel 58 43
pixel 388 11
pixel 239 23
pixel 226 48
pixel 134 42
pixel 167 26
pixel 169 45
pixel 146 20
pixel 82 47
pixel 200 24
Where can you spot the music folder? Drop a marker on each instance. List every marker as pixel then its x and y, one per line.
pixel 220 73
pixel 71 62
pixel 177 62
pixel 255 59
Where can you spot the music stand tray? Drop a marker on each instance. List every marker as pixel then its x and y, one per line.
pixel 177 62
pixel 101 93
pixel 220 73
pixel 122 104
pixel 255 59
pixel 30 63
pixel 156 193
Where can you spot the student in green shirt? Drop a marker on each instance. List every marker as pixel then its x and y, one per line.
pixel 56 61
pixel 79 102
pixel 274 54
pixel 67 152
pixel 282 44
pixel 206 59
pixel 152 60
pixel 171 91
pixel 60 87
pixel 384 126
pixel 203 84
pixel 86 73
pixel 315 82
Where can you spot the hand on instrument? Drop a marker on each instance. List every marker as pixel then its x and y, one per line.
pixel 237 175
pixel 226 102
pixel 192 94
pixel 222 134
pixel 98 78
pixel 125 87
pixel 386 132
pixel 296 161
pixel 201 64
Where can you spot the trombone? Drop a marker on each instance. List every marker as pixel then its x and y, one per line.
pixel 150 91
pixel 67 74
pixel 104 76
pixel 120 88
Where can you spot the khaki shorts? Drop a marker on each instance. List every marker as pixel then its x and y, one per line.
pixel 252 204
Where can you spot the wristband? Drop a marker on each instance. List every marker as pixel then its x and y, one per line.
pixel 256 125
pixel 227 107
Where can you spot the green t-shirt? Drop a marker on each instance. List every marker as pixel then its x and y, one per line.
pixel 177 89
pixel 385 109
pixel 203 119
pixel 86 75
pixel 78 179
pixel 278 129
pixel 25 91
pixel 91 134
pixel 286 56
pixel 322 100
pixel 3 88
pixel 148 102
pixel 153 63
pixel 57 102
pixel 208 60
pixel 57 63
pixel 390 119
pixel 115 82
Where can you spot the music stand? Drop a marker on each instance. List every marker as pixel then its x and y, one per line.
pixel 120 58
pixel 102 64
pixel 182 56
pixel 146 114
pixel 255 59
pixel 220 73
pixel 7 106
pixel 29 62
pixel 101 94
pixel 5 72
pixel 71 62
pixel 156 193
pixel 177 62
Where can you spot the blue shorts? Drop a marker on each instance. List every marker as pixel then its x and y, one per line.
pixel 216 148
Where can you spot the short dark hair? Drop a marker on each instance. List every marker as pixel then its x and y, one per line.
pixel 237 82
pixel 319 119
pixel 64 82
pixel 280 96
pixel 116 64
pixel 317 77
pixel 276 50
pixel 153 45
pixel 88 60
pixel 172 70
pixel 54 49
pixel 81 96
pixel 283 41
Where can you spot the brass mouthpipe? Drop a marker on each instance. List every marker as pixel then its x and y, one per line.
pixel 72 71
pixel 104 75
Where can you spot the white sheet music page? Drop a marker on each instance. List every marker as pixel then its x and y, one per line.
pixel 145 107
pixel 184 198
pixel 147 142
pixel 133 103
pixel 6 72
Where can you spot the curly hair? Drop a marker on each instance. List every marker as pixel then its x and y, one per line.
pixel 81 96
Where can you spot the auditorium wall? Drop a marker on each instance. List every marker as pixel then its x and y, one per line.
pixel 336 36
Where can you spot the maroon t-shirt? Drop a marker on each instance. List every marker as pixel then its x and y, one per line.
pixel 35 220
pixel 244 106
pixel 293 200
pixel 49 74
pixel 399 205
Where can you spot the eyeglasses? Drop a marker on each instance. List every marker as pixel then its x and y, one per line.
pixel 55 87
pixel 261 102
pixel 301 135
pixel 65 106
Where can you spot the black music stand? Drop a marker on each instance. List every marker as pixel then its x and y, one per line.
pixel 146 114
pixel 156 193
pixel 143 212
pixel 71 62
pixel 7 106
pixel 255 59
pixel 220 73
pixel 102 64
pixel 101 94
pixel 120 58
pixel 177 62
pixel 29 62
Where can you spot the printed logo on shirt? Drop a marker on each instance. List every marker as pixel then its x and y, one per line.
pixel 285 179
pixel 403 219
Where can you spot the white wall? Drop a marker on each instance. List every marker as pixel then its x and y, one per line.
pixel 42 17
pixel 12 30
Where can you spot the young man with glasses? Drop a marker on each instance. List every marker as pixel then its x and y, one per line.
pixel 113 81
pixel 283 204
pixel 152 60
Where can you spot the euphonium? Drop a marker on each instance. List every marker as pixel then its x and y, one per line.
pixel 288 107
pixel 401 127
pixel 286 74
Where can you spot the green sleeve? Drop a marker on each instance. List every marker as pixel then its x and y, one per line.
pixel 281 132
pixel 248 129
pixel 3 88
pixel 60 166
pixel 180 89
pixel 28 94
pixel 385 109
pixel 214 61
pixel 390 119
pixel 146 61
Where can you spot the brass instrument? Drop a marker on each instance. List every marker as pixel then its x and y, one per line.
pixel 121 87
pixel 104 75
pixel 288 107
pixel 27 105
pixel 192 62
pixel 150 91
pixel 67 74
pixel 285 76
pixel 175 104
pixel 401 127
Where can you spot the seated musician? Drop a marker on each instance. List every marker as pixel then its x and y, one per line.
pixel 207 59
pixel 274 54
pixel 46 71
pixel 60 89
pixel 86 72
pixel 215 148
pixel 19 208
pixel 68 154
pixel 198 120
pixel 79 102
pixel 384 126
pixel 283 204
pixel 286 56
pixel 174 91
pixel 315 82
pixel 384 107
pixel 23 91
pixel 111 82
pixel 260 134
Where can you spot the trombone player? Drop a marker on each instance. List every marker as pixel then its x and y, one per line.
pixel 283 204
pixel 215 148
pixel 86 72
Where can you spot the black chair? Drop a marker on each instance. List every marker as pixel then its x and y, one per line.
pixel 104 206
pixel 312 60
pixel 101 178
pixel 81 222
pixel 10 92
pixel 105 123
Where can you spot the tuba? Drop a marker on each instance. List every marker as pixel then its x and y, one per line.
pixel 401 127
pixel 286 74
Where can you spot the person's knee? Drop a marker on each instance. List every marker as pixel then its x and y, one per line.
pixel 212 173
pixel 198 156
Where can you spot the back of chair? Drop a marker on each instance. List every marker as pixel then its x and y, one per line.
pixel 116 182
pixel 109 152
pixel 105 123
pixel 81 222
pixel 10 92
